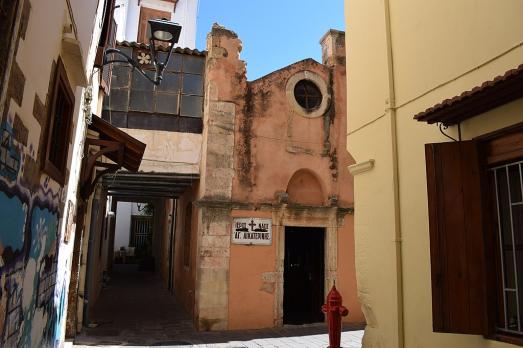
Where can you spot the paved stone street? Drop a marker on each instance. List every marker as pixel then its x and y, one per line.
pixel 134 310
pixel 282 338
pixel 302 337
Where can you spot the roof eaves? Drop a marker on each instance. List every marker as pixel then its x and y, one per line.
pixel 489 95
pixel 186 50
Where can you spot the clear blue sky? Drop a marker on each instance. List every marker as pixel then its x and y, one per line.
pixel 274 33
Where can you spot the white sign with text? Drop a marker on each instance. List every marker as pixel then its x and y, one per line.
pixel 255 231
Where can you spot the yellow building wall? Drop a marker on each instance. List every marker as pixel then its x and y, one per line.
pixel 434 50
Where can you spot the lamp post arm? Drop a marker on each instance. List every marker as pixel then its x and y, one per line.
pixel 128 60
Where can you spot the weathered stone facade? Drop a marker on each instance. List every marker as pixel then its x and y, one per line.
pixel 263 155
pixel 260 154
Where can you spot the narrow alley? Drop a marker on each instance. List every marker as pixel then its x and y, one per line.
pixel 135 310
pixel 274 174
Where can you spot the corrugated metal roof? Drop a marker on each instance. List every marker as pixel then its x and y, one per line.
pixel 489 95
pixel 126 185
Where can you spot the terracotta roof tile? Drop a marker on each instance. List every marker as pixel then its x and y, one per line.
pixel 489 95
pixel 181 50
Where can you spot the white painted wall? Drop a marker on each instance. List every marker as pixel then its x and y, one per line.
pixel 123 225
pixel 128 15
pixel 138 209
pixel 124 210
pixel 120 16
pixel 185 15
pixel 88 19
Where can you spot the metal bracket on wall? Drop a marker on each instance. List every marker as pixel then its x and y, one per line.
pixel 443 127
pixel 90 161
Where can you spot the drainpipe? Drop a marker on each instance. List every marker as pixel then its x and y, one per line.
pixel 90 258
pixel 391 110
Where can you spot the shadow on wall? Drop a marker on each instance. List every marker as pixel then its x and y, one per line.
pixel 305 188
pixel 30 308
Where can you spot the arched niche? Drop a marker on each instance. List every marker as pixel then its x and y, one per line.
pixel 305 188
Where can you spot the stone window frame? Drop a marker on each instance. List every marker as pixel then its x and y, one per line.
pixel 322 86
pixel 328 218
pixel 61 92
pixel 307 94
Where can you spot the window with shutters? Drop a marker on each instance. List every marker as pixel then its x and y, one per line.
pixel 59 126
pixel 475 199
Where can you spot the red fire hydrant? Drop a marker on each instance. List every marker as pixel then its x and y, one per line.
pixel 334 311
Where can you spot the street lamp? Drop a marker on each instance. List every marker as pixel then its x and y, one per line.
pixel 160 31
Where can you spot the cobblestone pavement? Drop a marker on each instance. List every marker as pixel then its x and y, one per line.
pixel 134 310
pixel 296 338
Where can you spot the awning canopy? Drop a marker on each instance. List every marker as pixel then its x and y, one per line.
pixel 491 94
pixel 121 148
pixel 136 186
pixel 133 148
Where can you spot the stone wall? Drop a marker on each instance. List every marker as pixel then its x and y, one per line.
pixel 225 91
pixel 260 153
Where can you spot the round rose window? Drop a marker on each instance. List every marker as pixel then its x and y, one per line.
pixel 307 94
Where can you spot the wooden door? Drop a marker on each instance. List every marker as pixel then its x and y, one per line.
pixel 303 285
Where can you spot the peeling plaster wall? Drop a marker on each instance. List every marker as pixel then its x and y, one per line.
pixel 169 151
pixel 254 141
pixel 286 156
pixel 275 141
pixel 185 275
pixel 37 213
pixel 224 90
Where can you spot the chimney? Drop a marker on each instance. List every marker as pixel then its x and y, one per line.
pixel 333 48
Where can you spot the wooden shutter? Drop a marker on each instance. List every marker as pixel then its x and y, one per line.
pixel 108 26
pixel 459 303
pixel 146 14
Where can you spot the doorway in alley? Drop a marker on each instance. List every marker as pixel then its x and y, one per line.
pixel 303 285
pixel 131 293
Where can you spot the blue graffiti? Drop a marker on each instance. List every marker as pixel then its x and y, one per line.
pixel 31 246
pixel 12 215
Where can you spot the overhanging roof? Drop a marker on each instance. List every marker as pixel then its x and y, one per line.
pixel 133 148
pixel 147 185
pixel 491 94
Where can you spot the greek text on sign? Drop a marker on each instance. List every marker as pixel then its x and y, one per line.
pixel 252 231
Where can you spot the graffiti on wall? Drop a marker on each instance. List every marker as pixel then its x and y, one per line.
pixel 29 245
